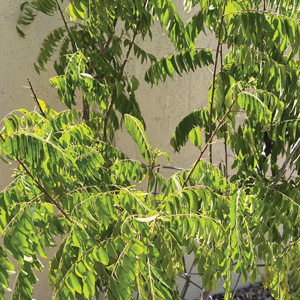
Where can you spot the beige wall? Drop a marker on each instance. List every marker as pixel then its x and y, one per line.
pixel 162 106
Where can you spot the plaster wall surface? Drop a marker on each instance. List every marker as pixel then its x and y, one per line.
pixel 162 106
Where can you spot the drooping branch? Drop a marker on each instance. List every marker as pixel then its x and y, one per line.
pixel 40 186
pixel 36 99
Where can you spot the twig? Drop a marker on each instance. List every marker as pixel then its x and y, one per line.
pixel 285 164
pixel 40 187
pixel 36 99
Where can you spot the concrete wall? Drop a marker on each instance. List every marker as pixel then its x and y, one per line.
pixel 162 106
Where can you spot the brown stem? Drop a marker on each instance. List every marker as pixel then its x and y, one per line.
pixel 113 96
pixel 36 99
pixel 205 295
pixel 225 129
pixel 40 187
pixel 86 109
pixel 150 177
pixel 66 26
pixel 226 153
pixel 112 33
pixel 214 83
pixel 85 104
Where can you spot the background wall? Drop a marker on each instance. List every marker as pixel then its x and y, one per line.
pixel 162 106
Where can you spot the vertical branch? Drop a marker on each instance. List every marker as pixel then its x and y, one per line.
pixel 113 95
pixel 112 33
pixel 66 26
pixel 150 177
pixel 86 107
pixel 36 99
pixel 225 128
pixel 214 84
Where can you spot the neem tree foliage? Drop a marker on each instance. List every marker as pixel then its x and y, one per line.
pixel 72 181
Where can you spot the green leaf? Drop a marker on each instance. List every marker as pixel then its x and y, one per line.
pixel 134 83
pixel 195 137
pixel 147 219
pixel 100 254
pixel 198 118
pixel 119 88
pixel 161 276
pixel 73 283
pixel 135 128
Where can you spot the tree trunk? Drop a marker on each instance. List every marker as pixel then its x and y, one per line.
pixel 205 295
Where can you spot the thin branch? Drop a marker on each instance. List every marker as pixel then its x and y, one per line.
pixel 36 99
pixel 86 106
pixel 225 128
pixel 214 84
pixel 150 178
pixel 66 26
pixel 112 33
pixel 40 187
pixel 221 123
pixel 285 164
pixel 236 285
pixel 113 98
pixel 86 109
